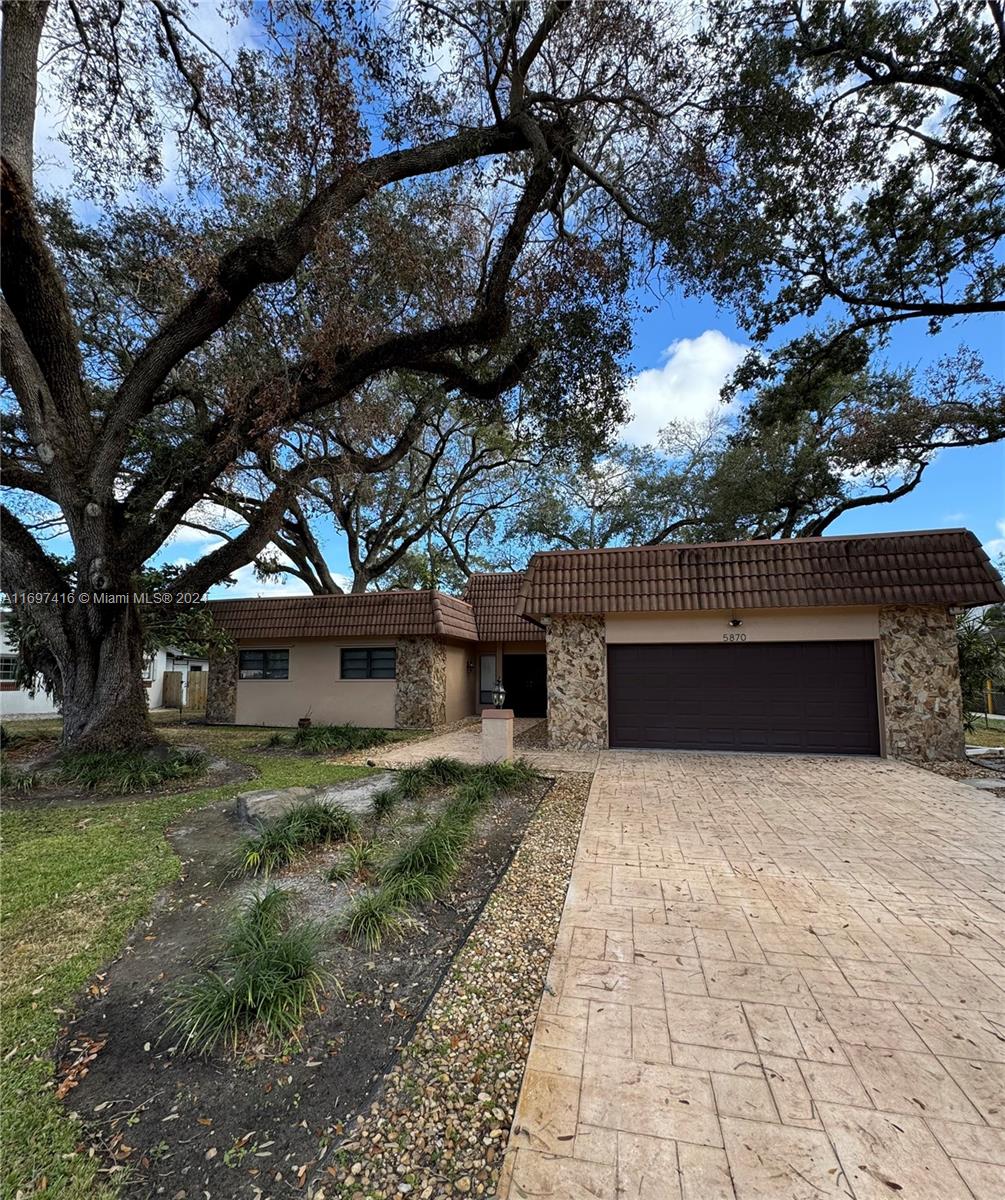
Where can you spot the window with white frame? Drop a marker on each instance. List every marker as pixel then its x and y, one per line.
pixel 8 668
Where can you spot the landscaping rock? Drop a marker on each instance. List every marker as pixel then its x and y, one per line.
pixel 356 795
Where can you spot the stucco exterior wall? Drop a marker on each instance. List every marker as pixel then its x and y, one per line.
pixel 421 695
pixel 460 682
pixel 577 683
pixel 922 707
pixel 759 625
pixel 315 685
pixel 221 689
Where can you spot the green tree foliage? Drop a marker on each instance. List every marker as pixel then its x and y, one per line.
pixel 826 431
pixel 981 640
pixel 861 163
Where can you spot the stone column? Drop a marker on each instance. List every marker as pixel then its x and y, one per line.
pixel 577 683
pixel 221 688
pixel 420 694
pixel 922 701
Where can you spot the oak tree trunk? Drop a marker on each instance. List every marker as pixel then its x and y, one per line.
pixel 104 700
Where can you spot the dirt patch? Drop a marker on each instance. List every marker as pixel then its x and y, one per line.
pixel 261 1123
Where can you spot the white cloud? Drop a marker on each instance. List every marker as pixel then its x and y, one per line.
pixel 996 546
pixel 248 584
pixel 685 388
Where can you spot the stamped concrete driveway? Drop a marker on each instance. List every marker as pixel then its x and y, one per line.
pixel 775 978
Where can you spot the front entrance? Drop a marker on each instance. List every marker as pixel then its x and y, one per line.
pixel 525 678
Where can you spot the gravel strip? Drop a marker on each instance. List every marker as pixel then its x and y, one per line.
pixel 956 768
pixel 440 1125
pixel 535 738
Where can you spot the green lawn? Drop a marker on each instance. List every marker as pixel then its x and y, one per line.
pixel 994 736
pixel 75 881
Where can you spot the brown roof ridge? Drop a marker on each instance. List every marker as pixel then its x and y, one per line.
pixel 823 537
pixel 942 567
pixel 439 621
pixel 333 596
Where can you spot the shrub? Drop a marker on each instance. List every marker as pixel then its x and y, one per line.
pixel 472 796
pixel 441 770
pixel 374 918
pixel 313 823
pixel 317 739
pixel 384 802
pixel 279 739
pixel 407 890
pixel 507 776
pixel 359 861
pixel 265 977
pixel 17 781
pixel 341 871
pixel 124 771
pixel 410 783
pixel 435 853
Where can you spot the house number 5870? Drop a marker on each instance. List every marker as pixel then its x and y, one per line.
pixel 734 637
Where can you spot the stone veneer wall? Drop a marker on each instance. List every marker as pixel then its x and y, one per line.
pixel 922 703
pixel 577 683
pixel 221 688
pixel 420 696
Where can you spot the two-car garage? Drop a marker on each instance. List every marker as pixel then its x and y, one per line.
pixel 809 697
pixel 826 645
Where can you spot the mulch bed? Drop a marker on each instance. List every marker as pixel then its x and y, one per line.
pixel 260 1124
pixel 441 1122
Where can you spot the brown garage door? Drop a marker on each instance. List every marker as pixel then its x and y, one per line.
pixel 810 697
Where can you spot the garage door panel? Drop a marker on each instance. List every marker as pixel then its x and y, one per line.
pixel 785 696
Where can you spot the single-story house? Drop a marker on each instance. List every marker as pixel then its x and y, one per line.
pixel 828 645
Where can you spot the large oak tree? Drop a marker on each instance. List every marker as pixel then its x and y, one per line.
pixel 281 282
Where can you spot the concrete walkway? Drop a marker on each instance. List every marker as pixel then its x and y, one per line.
pixel 465 744
pixel 775 979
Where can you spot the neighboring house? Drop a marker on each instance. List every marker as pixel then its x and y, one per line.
pixel 831 645
pixel 16 701
pixel 168 659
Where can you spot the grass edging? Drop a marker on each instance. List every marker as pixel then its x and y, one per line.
pixel 474 1036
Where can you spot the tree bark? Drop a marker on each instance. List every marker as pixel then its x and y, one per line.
pixel 104 700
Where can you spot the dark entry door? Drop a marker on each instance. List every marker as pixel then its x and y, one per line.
pixel 811 697
pixel 525 680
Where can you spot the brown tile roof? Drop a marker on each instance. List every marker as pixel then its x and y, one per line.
pixel 945 566
pixel 371 614
pixel 493 598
